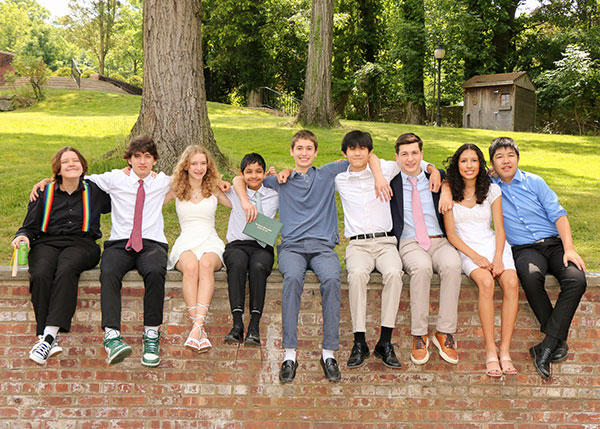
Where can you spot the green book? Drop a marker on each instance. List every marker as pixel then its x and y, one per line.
pixel 263 229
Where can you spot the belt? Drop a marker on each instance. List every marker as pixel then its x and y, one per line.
pixel 547 238
pixel 437 236
pixel 373 235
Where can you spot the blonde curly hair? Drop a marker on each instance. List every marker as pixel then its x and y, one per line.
pixel 181 183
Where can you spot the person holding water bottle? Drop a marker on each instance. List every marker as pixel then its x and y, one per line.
pixel 60 229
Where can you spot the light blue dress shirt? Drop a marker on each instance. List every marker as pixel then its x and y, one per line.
pixel 431 220
pixel 530 208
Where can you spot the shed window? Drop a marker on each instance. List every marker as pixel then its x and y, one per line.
pixel 505 99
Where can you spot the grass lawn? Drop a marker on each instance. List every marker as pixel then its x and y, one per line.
pixel 96 122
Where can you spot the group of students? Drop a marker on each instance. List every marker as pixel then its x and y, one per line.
pixel 398 216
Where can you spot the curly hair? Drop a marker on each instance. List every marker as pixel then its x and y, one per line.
pixel 181 183
pixel 455 180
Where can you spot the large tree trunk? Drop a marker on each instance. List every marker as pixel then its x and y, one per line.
pixel 317 103
pixel 173 107
pixel 412 34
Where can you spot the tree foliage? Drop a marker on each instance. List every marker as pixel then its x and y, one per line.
pixel 34 70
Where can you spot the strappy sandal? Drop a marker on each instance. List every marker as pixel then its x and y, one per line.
pixel 492 367
pixel 204 344
pixel 192 343
pixel 507 366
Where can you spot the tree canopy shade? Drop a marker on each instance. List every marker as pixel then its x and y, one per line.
pixel 317 103
pixel 173 109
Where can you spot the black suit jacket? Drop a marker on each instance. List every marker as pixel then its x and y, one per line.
pixel 397 205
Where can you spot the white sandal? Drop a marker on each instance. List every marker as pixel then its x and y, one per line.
pixel 192 343
pixel 204 344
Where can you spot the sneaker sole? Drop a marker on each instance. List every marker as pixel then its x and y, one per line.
pixel 150 364
pixel 420 361
pixel 38 360
pixel 55 351
pixel 442 354
pixel 119 356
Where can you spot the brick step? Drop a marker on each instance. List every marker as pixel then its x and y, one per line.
pixel 238 386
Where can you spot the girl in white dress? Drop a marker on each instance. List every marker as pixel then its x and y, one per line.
pixel 198 251
pixel 485 254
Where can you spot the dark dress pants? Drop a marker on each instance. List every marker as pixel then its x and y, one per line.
pixel 55 264
pixel 247 259
pixel 151 263
pixel 532 262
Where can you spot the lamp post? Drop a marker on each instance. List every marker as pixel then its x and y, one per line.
pixel 439 53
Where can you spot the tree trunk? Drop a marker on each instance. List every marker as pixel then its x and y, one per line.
pixel 413 59
pixel 173 107
pixel 317 103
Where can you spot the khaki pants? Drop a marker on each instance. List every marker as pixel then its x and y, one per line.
pixel 362 256
pixel 419 264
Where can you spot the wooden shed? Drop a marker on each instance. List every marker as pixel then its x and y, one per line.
pixel 504 101
pixel 5 60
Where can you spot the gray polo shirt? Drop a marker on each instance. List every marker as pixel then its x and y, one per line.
pixel 307 204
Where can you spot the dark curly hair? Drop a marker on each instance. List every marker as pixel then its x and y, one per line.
pixel 455 180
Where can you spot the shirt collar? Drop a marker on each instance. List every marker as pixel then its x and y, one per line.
pixel 295 173
pixel 420 177
pixel 252 192
pixel 365 172
pixel 518 178
pixel 135 179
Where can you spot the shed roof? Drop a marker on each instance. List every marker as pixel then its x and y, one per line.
pixel 7 53
pixel 517 78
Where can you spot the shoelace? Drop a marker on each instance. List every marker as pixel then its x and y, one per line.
pixel 43 349
pixel 151 345
pixel 449 341
pixel 420 343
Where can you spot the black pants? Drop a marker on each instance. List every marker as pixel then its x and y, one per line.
pixel 151 263
pixel 247 258
pixel 533 261
pixel 55 264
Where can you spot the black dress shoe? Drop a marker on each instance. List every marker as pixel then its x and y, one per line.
pixel 560 353
pixel 235 336
pixel 385 351
pixel 287 373
pixel 252 338
pixel 331 369
pixel 541 359
pixel 360 351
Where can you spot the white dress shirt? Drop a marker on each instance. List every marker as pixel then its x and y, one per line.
pixel 431 220
pixel 123 192
pixel 269 199
pixel 364 213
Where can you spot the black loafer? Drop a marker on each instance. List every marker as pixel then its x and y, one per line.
pixel 360 351
pixel 235 336
pixel 541 359
pixel 252 339
pixel 331 369
pixel 287 373
pixel 560 353
pixel 385 351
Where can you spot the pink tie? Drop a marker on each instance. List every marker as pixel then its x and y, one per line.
pixel 135 240
pixel 420 229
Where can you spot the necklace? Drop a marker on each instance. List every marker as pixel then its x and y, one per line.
pixel 196 194
pixel 469 198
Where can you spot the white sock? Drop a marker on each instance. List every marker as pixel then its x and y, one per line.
pixel 110 333
pixel 327 354
pixel 151 331
pixel 290 354
pixel 51 330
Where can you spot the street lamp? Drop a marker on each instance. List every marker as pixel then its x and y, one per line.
pixel 439 53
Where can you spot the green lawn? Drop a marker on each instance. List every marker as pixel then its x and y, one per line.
pixel 96 122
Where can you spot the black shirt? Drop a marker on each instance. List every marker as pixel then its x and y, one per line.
pixel 66 215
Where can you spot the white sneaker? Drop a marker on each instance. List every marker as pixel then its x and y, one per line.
pixel 41 350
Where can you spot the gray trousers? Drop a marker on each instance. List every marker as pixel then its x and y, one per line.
pixel 294 259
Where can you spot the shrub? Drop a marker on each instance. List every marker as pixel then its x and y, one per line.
pixel 118 76
pixel 135 80
pixel 87 73
pixel 63 72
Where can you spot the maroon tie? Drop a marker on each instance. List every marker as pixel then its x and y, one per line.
pixel 135 240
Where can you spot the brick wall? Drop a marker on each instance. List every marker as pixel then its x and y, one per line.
pixel 239 387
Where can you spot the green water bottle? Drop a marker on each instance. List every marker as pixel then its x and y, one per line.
pixel 23 253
